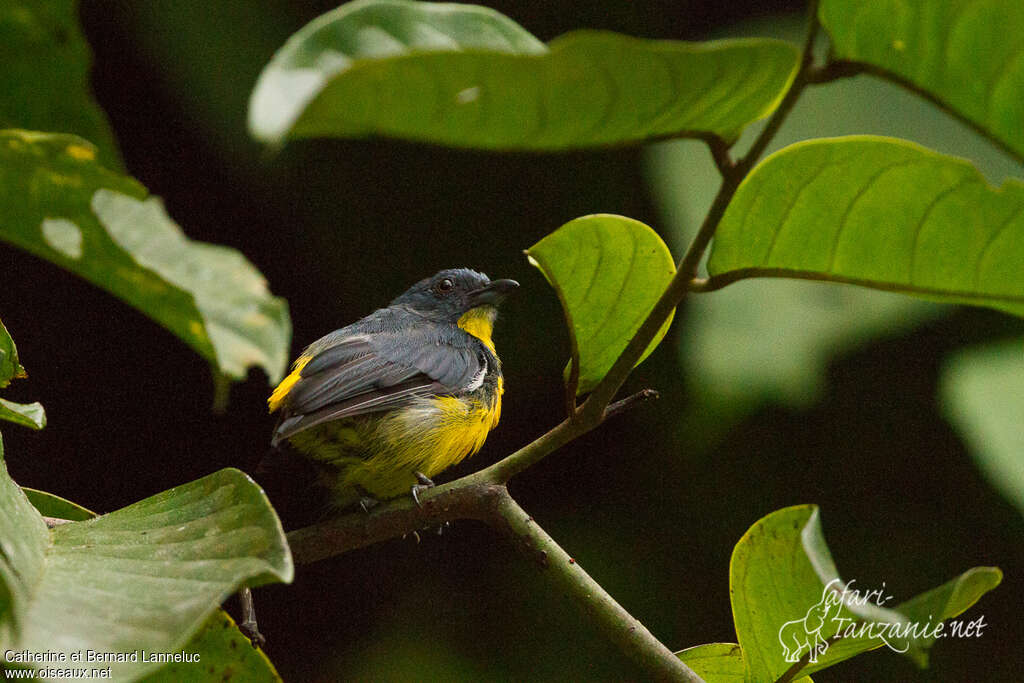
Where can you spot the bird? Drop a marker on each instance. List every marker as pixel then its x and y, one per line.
pixel 385 404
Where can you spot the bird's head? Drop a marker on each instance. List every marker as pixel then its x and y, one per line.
pixel 452 294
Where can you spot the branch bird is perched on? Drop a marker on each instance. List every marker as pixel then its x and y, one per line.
pixel 408 391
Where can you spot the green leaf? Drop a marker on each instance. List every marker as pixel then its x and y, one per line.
pixel 983 395
pixel 773 339
pixel 608 272
pixel 10 368
pixel 145 577
pixel 839 210
pixel 720 663
pixel 52 505
pixel 467 76
pixel 225 655
pixel 787 597
pixel 23 545
pixel 58 203
pixel 29 415
pixel 44 74
pixel 968 55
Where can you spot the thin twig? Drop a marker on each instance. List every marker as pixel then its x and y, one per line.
pixel 483 495
pixel 598 606
pixel 248 625
pixel 625 404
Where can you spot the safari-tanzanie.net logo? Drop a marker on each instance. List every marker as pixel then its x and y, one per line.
pixel 826 622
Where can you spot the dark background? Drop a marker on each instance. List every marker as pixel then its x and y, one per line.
pixel 339 228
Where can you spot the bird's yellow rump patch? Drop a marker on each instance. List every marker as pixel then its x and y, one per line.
pixel 479 322
pixel 282 389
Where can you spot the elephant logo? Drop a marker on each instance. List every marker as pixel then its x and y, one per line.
pixel 804 635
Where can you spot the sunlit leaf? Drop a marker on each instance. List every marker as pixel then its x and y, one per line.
pixel 983 394
pixel 839 210
pixel 968 54
pixel 467 76
pixel 57 202
pixel 145 577
pixel 608 272
pixel 44 74
pixel 720 663
pixel 787 598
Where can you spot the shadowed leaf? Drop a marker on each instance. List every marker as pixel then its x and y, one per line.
pixel 44 74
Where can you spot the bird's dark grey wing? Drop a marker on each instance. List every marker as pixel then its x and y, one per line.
pixel 372 372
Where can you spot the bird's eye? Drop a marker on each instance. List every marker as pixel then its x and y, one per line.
pixel 445 286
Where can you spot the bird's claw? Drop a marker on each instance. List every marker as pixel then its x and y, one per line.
pixel 425 483
pixel 367 503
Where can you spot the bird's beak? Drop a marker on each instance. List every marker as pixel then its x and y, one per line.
pixel 493 293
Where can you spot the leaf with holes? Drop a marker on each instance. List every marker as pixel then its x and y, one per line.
pixel 983 395
pixel 967 54
pixel 877 212
pixel 468 76
pixel 44 74
pixel 608 271
pixel 58 203
pixel 145 577
pixel 789 602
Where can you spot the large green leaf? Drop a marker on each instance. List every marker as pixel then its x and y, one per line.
pixel 967 54
pixel 44 74
pixel 145 577
pixel 467 76
pixel 29 415
pixel 224 652
pixel 57 202
pixel 840 210
pixel 225 656
pixel 787 597
pixel 983 394
pixel 608 271
pixel 773 340
pixel 720 663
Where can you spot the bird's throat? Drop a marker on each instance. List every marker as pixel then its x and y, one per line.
pixel 479 322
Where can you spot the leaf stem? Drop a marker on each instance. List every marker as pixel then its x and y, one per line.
pixel 732 175
pixel 483 496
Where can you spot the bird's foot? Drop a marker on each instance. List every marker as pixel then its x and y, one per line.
pixel 425 483
pixel 367 503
